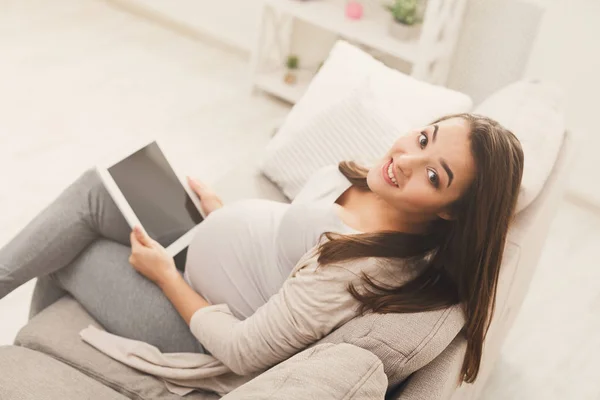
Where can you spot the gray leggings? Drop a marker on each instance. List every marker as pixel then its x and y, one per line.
pixel 79 245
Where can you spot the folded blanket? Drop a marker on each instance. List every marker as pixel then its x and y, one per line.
pixel 182 372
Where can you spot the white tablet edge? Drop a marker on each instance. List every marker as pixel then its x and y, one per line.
pixel 111 186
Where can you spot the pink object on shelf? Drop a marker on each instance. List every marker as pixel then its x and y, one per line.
pixel 354 10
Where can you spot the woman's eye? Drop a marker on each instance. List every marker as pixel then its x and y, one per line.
pixel 423 140
pixel 433 178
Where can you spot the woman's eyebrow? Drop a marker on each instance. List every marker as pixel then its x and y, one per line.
pixel 435 129
pixel 442 161
pixel 448 171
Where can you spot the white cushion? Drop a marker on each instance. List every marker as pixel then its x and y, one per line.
pixel 534 112
pixel 398 96
pixel 352 129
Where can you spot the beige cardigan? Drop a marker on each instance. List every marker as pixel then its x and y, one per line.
pixel 311 303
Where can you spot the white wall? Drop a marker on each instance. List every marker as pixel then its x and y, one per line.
pixel 567 51
pixel 231 21
pixel 495 43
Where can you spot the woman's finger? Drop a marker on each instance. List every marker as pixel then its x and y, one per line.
pixel 135 243
pixel 200 188
pixel 142 237
pixel 209 201
pixel 194 184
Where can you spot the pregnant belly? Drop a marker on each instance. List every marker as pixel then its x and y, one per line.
pixel 231 258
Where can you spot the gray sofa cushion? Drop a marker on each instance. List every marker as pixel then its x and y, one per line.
pixel 403 342
pixel 29 375
pixel 55 331
pixel 326 371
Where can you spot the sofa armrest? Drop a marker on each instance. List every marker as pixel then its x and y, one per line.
pixel 438 380
pixel 30 375
pixel 325 371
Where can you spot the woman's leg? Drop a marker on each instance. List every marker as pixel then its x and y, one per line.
pixel 82 213
pixel 66 246
pixel 123 301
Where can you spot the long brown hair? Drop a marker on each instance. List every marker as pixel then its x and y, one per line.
pixel 463 255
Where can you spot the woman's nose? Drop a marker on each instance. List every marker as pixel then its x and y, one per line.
pixel 409 162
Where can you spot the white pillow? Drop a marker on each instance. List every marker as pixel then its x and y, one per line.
pixel 534 112
pixel 399 97
pixel 352 129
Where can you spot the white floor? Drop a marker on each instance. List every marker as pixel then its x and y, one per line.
pixel 80 80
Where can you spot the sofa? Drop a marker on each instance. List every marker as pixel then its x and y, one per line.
pixel 374 356
pixel 49 361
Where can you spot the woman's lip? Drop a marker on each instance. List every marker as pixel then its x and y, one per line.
pixel 386 177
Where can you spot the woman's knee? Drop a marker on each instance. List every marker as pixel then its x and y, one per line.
pixel 90 178
pixel 92 188
pixel 86 183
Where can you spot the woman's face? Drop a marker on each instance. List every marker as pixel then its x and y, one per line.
pixel 430 167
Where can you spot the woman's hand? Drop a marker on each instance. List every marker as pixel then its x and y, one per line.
pixel 209 201
pixel 150 259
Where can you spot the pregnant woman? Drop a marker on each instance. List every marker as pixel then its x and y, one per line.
pixel 424 228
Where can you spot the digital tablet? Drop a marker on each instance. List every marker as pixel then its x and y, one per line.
pixel 149 193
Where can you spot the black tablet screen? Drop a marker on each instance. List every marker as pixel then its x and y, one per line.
pixel 155 194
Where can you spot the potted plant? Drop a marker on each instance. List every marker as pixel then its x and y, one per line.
pixel 405 23
pixel 291 64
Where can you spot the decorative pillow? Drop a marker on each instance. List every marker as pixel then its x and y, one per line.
pixel 401 98
pixel 533 111
pixel 349 130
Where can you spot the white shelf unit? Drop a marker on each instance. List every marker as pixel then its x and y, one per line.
pixel 272 81
pixel 429 55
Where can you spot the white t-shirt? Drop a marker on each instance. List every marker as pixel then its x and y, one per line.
pixel 242 253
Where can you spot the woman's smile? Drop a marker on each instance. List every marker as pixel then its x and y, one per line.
pixel 388 173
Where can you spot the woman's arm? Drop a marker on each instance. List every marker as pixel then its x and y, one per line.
pixel 311 303
pixel 185 299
